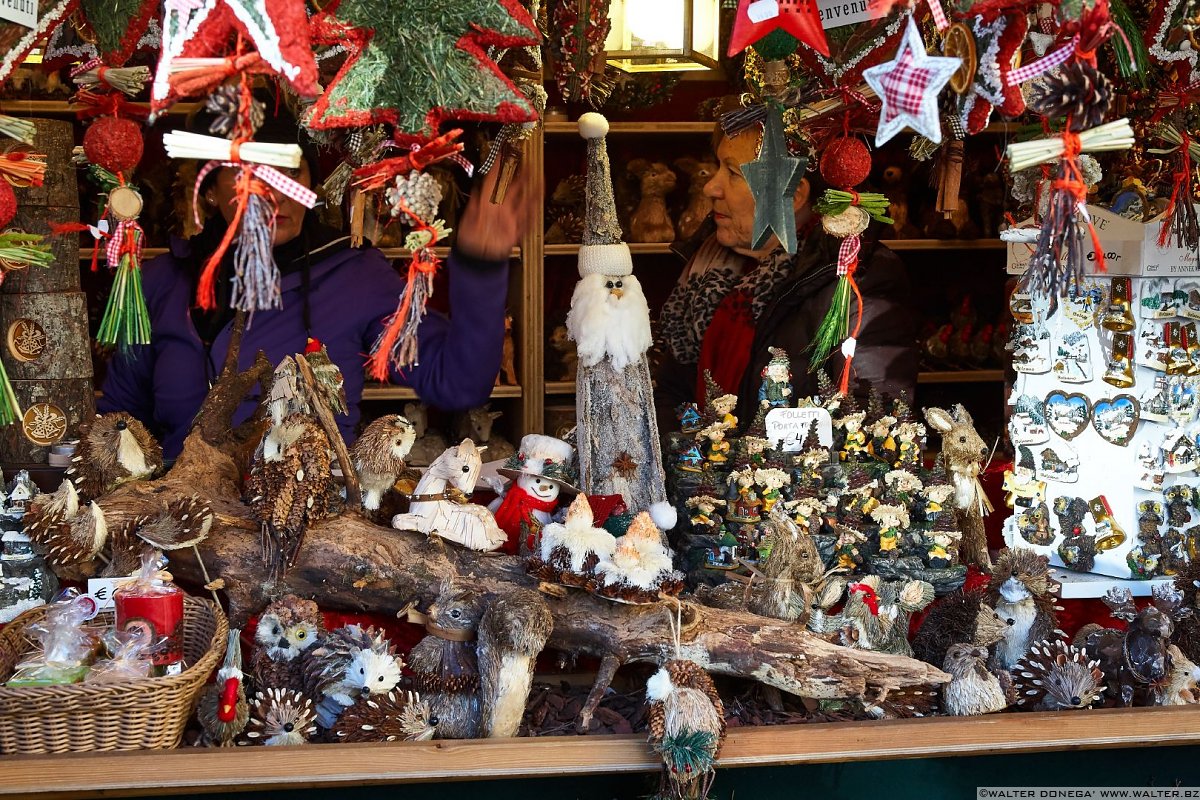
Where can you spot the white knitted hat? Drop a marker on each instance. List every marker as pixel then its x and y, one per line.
pixel 602 252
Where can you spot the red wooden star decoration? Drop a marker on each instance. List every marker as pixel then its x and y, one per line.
pixel 756 18
pixel 625 465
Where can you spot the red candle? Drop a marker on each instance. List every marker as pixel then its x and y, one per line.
pixel 157 613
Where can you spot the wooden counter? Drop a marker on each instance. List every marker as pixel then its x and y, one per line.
pixel 190 770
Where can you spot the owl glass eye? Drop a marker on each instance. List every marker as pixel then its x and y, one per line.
pixel 301 634
pixel 466 468
pixel 454 612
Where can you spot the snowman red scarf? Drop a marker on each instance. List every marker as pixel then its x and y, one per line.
pixel 517 508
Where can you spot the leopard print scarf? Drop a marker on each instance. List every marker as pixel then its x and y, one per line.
pixel 715 272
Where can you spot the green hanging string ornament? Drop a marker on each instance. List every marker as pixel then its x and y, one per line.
pixel 126 319
pixel 10 407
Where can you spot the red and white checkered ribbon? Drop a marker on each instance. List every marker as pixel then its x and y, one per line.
pixel 1032 70
pixel 848 254
pixel 267 174
pixel 939 15
pixel 457 158
pixel 112 249
pixel 85 66
pixel 904 87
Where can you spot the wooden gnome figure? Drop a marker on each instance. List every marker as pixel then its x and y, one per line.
pixel 776 388
pixel 617 435
pixel 541 472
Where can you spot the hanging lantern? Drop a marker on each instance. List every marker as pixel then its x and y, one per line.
pixel 663 35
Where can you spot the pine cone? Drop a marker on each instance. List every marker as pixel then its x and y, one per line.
pixel 1077 91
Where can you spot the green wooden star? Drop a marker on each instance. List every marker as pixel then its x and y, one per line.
pixel 415 63
pixel 773 178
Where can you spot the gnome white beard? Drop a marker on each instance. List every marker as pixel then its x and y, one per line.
pixel 603 324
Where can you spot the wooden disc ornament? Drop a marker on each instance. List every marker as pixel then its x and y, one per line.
pixel 26 340
pixel 44 424
pixel 960 43
pixel 125 203
pixel 851 222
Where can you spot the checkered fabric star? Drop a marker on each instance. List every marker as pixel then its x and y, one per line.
pixel 908 88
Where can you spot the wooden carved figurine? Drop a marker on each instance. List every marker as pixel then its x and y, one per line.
pixel 650 221
pixel 113 449
pixel 962 456
pixel 378 456
pixel 698 172
pixel 436 511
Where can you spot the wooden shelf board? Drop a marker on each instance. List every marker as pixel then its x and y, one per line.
pixel 570 126
pixel 943 244
pixel 85 253
pixel 374 391
pixel 636 249
pixel 14 106
pixel 560 387
pixel 962 376
pixel 327 766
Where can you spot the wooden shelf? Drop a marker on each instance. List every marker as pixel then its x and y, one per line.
pixel 161 773
pixel 373 391
pixel 946 376
pixel 570 126
pixel 962 376
pixel 636 249
pixel 943 244
pixel 85 253
pixel 15 106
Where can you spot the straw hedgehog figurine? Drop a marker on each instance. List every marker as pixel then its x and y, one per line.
pixel 113 449
pixel 394 717
pixel 1057 676
pixel 280 717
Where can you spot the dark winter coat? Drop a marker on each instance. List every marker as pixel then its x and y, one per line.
pixel 886 352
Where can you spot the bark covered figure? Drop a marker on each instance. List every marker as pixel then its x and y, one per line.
pixel 1023 595
pixel 617 435
pixel 963 455
pixel 445 663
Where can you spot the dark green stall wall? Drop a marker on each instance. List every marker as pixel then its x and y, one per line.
pixel 922 779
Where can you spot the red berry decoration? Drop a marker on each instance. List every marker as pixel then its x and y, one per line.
pixel 114 143
pixel 846 162
pixel 8 203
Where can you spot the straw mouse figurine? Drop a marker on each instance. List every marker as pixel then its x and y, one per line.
pixel 650 221
pixel 963 456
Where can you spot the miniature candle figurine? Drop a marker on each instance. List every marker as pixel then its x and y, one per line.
pixel 541 471
pixel 776 389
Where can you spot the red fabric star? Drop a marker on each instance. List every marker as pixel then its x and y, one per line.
pixel 756 18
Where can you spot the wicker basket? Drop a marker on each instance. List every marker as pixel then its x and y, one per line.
pixel 130 715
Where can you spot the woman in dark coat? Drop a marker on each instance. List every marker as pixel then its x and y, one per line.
pixel 332 292
pixel 733 303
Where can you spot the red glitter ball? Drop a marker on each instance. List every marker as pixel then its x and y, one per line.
pixel 8 203
pixel 846 162
pixel 114 143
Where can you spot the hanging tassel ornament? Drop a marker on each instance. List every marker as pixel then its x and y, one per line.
pixel 10 407
pixel 1057 264
pixel 1180 224
pixel 126 319
pixel 256 275
pixel 845 214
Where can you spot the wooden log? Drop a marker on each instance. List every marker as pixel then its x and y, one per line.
pixel 62 319
pixel 63 274
pixel 55 139
pixel 74 398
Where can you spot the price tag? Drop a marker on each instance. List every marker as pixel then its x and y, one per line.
pixel 788 427
pixel 102 590
pixel 22 12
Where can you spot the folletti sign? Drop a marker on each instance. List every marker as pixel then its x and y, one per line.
pixel 22 12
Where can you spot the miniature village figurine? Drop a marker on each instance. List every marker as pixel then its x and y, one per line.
pixel 716 449
pixel 25 579
pixel 883 441
pixel 616 430
pixel 776 388
pixel 704 514
pixel 720 410
pixel 908 437
pixel 744 503
pixel 771 482
pixel 21 491
pixel 893 521
pixel 541 471
pixel 937 551
pixel 689 417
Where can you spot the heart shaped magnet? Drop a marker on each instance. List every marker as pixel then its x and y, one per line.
pixel 1116 419
pixel 1067 414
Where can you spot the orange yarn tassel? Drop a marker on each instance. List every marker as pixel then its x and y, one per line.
pixel 206 289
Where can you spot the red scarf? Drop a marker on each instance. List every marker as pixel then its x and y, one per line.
pixel 518 507
pixel 725 350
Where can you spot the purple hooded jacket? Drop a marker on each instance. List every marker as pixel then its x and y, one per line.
pixel 351 293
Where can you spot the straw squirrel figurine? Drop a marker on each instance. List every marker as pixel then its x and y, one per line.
pixel 445 663
pixel 512 632
pixel 699 172
pixel 650 221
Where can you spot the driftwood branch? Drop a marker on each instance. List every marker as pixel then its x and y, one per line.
pixel 325 417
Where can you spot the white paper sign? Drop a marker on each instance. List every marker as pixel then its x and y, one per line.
pixel 1169 260
pixel 22 12
pixel 836 13
pixel 102 590
pixel 788 427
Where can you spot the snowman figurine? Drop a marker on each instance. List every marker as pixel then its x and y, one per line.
pixel 541 471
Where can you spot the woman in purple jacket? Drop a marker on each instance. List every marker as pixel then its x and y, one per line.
pixel 332 292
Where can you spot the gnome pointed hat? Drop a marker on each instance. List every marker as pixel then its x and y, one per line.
pixel 602 252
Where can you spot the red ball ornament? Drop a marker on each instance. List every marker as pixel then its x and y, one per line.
pixel 113 143
pixel 8 203
pixel 846 162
